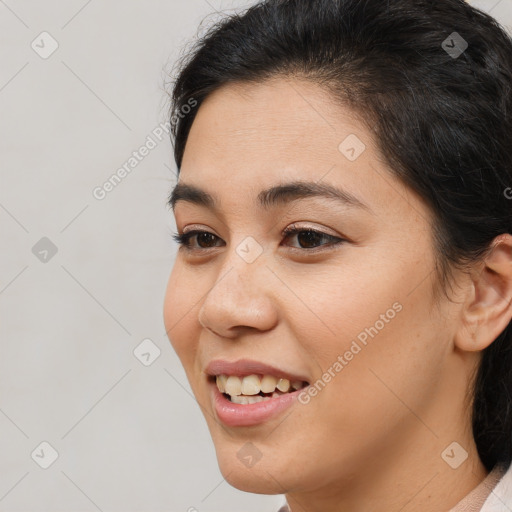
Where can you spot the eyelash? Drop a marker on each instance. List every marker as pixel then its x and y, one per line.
pixel 183 239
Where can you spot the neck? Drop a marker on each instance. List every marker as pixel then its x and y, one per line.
pixel 423 485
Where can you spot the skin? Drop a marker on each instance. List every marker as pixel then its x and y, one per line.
pixel 372 439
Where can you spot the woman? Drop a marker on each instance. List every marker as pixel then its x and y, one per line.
pixel 342 297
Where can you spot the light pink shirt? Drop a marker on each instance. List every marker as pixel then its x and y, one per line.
pixel 493 494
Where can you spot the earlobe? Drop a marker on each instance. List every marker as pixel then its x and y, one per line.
pixel 488 307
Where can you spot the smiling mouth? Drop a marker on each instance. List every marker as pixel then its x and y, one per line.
pixel 250 389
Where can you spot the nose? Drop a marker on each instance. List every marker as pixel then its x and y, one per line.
pixel 240 298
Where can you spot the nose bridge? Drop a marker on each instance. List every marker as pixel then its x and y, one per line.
pixel 242 268
pixel 237 297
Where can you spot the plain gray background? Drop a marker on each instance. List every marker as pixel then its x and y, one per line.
pixel 82 279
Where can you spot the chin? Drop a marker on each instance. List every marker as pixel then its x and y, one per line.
pixel 257 480
pixel 250 465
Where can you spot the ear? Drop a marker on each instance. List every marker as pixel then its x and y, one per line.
pixel 488 307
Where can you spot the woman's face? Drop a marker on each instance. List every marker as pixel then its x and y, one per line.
pixel 344 305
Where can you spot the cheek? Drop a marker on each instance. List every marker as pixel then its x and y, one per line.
pixel 397 357
pixel 374 340
pixel 180 314
pixel 341 302
pixel 364 296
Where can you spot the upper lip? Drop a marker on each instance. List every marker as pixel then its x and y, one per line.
pixel 243 367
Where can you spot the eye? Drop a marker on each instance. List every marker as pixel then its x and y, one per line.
pixel 203 237
pixel 309 239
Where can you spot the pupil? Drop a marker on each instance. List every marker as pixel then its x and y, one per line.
pixel 204 237
pixel 311 238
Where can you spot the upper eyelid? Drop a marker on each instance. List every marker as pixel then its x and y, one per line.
pixel 297 227
pixel 294 225
pixel 286 231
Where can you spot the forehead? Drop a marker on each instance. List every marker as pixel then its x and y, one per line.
pixel 278 127
pixel 248 137
pixel 280 116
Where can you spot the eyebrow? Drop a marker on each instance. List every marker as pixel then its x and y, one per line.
pixel 271 197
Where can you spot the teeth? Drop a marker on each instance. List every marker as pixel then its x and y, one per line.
pixel 283 385
pixel 233 386
pixel 255 399
pixel 239 399
pixel 296 384
pixel 221 383
pixel 268 383
pixel 251 385
pixel 244 400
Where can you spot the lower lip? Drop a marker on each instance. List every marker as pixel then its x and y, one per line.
pixel 243 415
